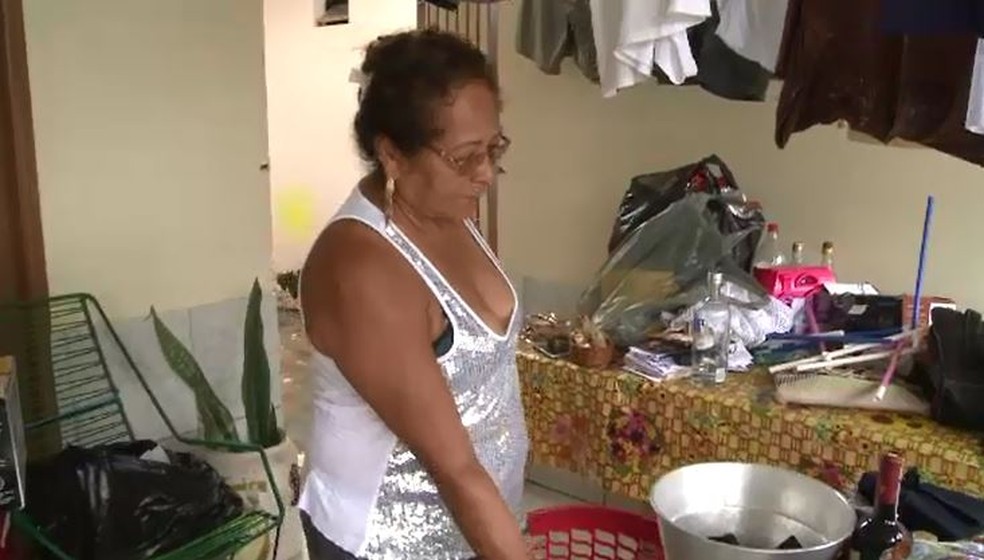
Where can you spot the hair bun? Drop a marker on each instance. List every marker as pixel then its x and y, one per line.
pixel 409 72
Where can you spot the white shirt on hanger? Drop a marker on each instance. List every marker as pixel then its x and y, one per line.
pixel 975 105
pixel 753 28
pixel 631 36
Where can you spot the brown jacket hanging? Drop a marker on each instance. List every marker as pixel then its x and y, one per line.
pixel 837 63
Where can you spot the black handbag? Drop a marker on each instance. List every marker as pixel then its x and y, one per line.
pixel 954 379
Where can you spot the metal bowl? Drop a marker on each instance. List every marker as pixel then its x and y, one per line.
pixel 760 505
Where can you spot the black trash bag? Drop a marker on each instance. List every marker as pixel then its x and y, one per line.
pixel 948 514
pixel 650 194
pixel 108 503
pixel 954 377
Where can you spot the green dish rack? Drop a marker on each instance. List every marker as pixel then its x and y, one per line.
pixel 69 398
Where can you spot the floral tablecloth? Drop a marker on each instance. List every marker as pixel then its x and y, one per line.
pixel 623 431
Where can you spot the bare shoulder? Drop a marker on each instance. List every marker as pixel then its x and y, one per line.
pixel 349 254
pixel 353 275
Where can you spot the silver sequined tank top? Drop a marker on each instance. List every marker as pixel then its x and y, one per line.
pixel 365 491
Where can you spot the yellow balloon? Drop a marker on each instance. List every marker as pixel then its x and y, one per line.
pixel 295 208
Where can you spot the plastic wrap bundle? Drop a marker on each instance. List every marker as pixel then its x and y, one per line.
pixel 662 267
pixel 750 323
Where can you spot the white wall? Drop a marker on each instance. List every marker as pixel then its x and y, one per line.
pixel 574 153
pixel 314 162
pixel 150 123
pixel 150 128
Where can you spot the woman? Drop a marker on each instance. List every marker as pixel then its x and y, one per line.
pixel 419 442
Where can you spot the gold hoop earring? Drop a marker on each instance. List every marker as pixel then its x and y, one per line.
pixel 388 193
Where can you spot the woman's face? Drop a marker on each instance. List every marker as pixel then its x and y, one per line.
pixel 447 178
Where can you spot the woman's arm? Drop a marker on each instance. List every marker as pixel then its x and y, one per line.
pixel 366 308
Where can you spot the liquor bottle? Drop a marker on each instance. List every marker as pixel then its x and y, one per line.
pixel 711 333
pixel 827 255
pixel 882 535
pixel 769 253
pixel 797 253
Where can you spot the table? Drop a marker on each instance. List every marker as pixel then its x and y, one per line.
pixel 622 431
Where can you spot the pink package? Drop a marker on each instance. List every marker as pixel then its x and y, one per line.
pixel 790 282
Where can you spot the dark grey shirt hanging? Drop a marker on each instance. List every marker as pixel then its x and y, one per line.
pixel 551 30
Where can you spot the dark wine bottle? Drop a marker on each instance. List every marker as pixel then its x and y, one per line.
pixel 882 536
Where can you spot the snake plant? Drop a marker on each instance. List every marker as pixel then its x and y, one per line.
pixel 261 419
pixel 214 417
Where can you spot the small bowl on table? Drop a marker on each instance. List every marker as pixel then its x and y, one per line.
pixel 593 356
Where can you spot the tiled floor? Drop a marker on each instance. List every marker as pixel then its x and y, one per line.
pixel 297 406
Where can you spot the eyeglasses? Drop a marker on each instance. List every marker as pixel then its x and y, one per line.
pixel 470 164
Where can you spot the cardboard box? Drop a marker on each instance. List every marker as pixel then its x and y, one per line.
pixel 926 306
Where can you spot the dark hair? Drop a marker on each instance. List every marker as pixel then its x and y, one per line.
pixel 408 74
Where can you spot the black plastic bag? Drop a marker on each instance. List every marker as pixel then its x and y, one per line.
pixel 650 194
pixel 109 503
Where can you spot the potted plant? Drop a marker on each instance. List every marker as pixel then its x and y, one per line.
pixel 288 284
pixel 243 472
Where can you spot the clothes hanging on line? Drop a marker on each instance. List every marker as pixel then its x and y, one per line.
pixel 753 28
pixel 950 17
pixel 838 64
pixel 671 40
pixel 446 4
pixel 672 53
pixel 634 36
pixel 453 4
pixel 551 30
pixel 934 98
pixel 920 17
pixel 720 70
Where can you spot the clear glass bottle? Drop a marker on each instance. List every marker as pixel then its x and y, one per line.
pixel 769 252
pixel 711 333
pixel 797 254
pixel 827 254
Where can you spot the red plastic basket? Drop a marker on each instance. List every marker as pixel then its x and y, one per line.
pixel 592 533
